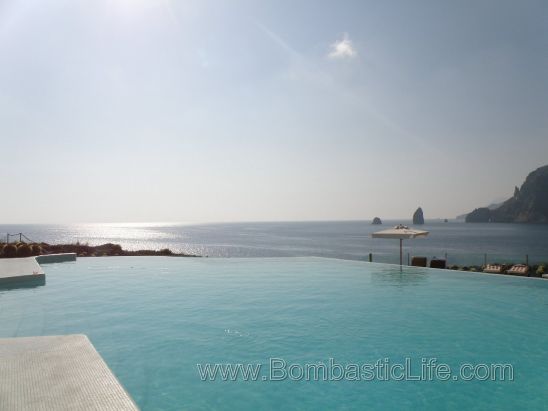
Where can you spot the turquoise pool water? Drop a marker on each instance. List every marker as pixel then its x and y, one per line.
pixel 154 319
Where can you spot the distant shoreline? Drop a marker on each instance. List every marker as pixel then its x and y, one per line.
pixel 460 243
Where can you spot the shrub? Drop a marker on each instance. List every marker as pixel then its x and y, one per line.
pixel 540 270
pixel 24 250
pixel 10 251
pixel 36 249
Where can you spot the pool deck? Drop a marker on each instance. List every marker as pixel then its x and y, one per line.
pixel 57 373
pixel 17 270
pixel 27 269
pixel 55 258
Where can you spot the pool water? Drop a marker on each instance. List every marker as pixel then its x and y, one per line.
pixel 153 319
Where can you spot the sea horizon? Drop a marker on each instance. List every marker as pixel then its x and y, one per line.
pixel 152 222
pixel 457 241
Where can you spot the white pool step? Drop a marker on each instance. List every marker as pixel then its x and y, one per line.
pixel 18 270
pixel 57 373
pixel 27 269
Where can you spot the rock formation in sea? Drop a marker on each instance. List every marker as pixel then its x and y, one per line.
pixel 376 221
pixel 418 216
pixel 529 204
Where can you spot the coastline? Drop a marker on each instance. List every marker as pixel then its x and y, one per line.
pixel 21 250
pixel 461 244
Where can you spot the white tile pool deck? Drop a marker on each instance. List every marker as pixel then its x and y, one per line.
pixel 13 270
pixel 23 270
pixel 57 373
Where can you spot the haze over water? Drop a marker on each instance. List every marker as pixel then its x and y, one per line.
pixel 463 243
pixel 137 110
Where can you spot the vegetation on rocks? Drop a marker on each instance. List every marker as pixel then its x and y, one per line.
pixel 9 251
pixel 24 250
pixel 13 250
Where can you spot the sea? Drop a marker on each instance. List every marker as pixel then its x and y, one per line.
pixel 458 242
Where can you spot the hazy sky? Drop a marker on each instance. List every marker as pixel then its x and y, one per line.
pixel 165 110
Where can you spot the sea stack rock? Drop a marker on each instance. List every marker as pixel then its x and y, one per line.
pixel 418 216
pixel 376 221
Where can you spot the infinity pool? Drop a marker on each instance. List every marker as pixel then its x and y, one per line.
pixel 154 319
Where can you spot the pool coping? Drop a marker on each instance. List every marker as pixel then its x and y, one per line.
pixel 407 267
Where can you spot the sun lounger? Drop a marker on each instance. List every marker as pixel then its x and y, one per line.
pixel 419 261
pixel 437 263
pixel 494 269
pixel 519 269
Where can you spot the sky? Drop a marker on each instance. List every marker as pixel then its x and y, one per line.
pixel 210 111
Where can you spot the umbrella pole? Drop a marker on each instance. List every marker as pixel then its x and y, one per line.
pixel 401 252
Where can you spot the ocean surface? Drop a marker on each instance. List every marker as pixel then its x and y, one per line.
pixel 462 243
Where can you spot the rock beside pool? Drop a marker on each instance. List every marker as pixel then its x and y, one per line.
pixel 418 216
pixel 19 250
pixel 376 221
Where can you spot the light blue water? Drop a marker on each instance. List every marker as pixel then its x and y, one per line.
pixel 153 319
pixel 463 243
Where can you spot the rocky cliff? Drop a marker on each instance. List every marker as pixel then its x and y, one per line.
pixel 479 215
pixel 529 204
